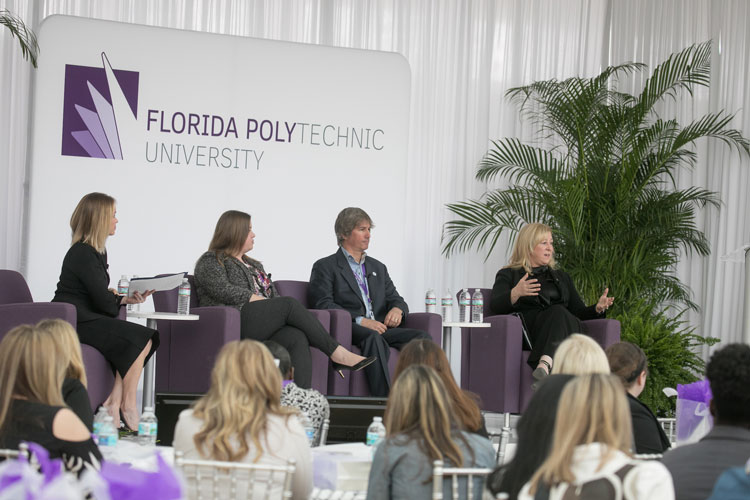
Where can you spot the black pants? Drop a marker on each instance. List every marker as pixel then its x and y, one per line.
pixel 287 322
pixel 550 327
pixel 371 343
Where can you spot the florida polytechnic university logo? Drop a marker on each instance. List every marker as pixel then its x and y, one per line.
pixel 99 111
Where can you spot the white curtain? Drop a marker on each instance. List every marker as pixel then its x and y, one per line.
pixel 463 57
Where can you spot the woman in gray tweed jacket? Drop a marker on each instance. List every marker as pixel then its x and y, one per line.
pixel 225 276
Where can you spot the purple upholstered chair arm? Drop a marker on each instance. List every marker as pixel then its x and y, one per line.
pixel 100 376
pixel 605 331
pixel 12 315
pixel 491 362
pixel 427 322
pixel 194 346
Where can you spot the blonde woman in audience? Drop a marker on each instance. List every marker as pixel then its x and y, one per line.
pixel 580 355
pixel 590 454
pixel 240 419
pixel 33 365
pixel 74 386
pixel 421 427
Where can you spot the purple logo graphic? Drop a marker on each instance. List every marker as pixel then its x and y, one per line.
pixel 100 106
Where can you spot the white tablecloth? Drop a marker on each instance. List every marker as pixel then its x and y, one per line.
pixel 342 466
pixel 138 456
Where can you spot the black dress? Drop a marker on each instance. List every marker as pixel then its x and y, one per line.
pixel 84 282
pixel 76 397
pixel 32 421
pixel 549 317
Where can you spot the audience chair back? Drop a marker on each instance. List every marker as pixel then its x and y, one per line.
pixel 324 425
pixel 22 451
pixel 209 479
pixel 468 483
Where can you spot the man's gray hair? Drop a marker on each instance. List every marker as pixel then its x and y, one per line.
pixel 347 220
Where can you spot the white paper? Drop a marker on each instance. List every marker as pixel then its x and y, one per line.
pixel 159 284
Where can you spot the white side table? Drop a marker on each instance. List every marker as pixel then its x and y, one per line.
pixel 149 371
pixel 448 330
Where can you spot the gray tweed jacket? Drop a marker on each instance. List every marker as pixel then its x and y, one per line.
pixel 228 282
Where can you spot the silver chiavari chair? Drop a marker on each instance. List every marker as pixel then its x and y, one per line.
pixel 474 479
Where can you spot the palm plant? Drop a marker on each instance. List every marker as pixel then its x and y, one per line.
pixel 605 182
pixel 26 37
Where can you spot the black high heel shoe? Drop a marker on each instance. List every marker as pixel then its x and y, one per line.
pixel 355 368
pixel 125 429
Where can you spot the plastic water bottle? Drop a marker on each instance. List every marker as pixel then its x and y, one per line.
pixel 446 307
pixel 308 426
pixel 107 432
pixel 98 421
pixel 147 427
pixel 376 432
pixel 430 301
pixel 183 297
pixel 477 306
pixel 134 307
pixel 123 285
pixel 464 306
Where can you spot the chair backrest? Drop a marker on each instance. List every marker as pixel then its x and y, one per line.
pixel 13 288
pixel 294 289
pixel 231 480
pixel 22 451
pixel 324 425
pixel 465 483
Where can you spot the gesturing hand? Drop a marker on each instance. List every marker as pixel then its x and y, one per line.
pixel 374 325
pixel 525 288
pixel 604 302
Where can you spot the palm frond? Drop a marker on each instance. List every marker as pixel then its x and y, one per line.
pixel 26 37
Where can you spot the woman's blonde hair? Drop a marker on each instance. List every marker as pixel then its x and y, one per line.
pixel 65 334
pixel 528 237
pixel 592 409
pixel 245 390
pixel 92 219
pixel 426 352
pixel 580 355
pixel 419 409
pixel 32 366
pixel 230 233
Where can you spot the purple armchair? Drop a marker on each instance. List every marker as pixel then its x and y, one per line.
pixel 17 308
pixel 493 364
pixel 324 378
pixel 188 349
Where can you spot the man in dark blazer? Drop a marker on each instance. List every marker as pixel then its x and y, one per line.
pixel 696 467
pixel 359 284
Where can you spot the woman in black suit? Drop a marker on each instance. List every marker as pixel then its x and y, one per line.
pixel 628 361
pixel 545 297
pixel 84 282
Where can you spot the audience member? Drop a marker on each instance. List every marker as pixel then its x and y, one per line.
pixel 84 282
pixel 580 355
pixel 240 419
pixel 590 456
pixel 352 280
pixel 33 364
pixel 308 401
pixel 535 431
pixel 74 390
pixel 226 276
pixel 428 353
pixel 696 467
pixel 421 427
pixel 544 296
pixel 628 361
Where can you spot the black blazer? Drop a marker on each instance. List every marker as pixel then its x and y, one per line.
pixel 333 286
pixel 507 278
pixel 84 282
pixel 649 437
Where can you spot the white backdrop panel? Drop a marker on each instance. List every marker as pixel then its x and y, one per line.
pixel 167 210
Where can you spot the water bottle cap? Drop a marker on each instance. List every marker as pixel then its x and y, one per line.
pixel 124 277
pixel 148 408
pixel 377 419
